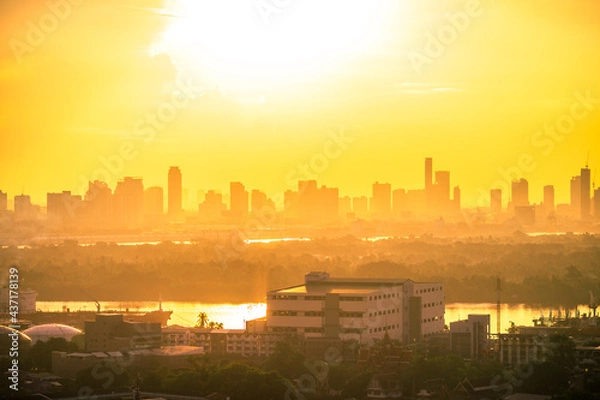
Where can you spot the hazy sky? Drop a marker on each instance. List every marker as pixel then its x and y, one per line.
pixel 238 90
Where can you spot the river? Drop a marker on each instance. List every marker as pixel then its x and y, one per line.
pixel 233 316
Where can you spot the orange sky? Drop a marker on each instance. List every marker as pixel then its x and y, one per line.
pixel 236 98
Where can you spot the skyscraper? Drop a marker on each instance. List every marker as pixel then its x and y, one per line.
pixel 23 207
pixel 442 183
pixel 576 195
pixel 381 202
pixel 238 198
pixel 3 201
pixel 428 174
pixel 62 207
pixel 549 198
pixel 585 193
pixel 597 203
pixel 128 202
pixel 174 192
pixel 520 192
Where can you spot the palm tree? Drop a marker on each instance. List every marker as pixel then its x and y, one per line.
pixel 202 320
pixel 215 325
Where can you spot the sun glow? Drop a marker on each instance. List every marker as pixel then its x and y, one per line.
pixel 235 44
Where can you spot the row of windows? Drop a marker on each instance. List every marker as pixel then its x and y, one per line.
pixel 431 289
pixel 385 312
pixel 351 298
pixel 284 313
pixel 288 313
pixel 351 314
pixel 384 328
pixel 351 330
pixel 432 319
pixel 383 296
pixel 313 330
pixel 427 305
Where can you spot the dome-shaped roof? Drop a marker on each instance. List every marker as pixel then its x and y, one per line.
pixel 47 331
pixel 6 340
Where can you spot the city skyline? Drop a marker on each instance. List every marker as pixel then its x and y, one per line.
pixel 134 204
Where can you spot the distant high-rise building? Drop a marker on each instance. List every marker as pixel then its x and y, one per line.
pixel 212 208
pixel 575 187
pixel 98 204
pixel 23 207
pixel 345 206
pixel 63 207
pixel 585 193
pixel 549 198
pixel 442 183
pixel 597 203
pixel 128 202
pixel 520 192
pixel 456 198
pixel 239 200
pixel 381 202
pixel 428 175
pixel 153 202
pixel 174 192
pixel 261 205
pixel 399 202
pixel 496 201
pixel 3 201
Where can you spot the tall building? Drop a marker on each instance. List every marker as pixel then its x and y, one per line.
pixel 496 201
pixel 456 198
pixel 261 205
pixel 597 203
pixel 3 201
pixel 381 202
pixel 442 183
pixel 212 208
pixel 174 192
pixel 63 207
pixel 585 193
pixel 361 309
pixel 128 202
pixel 470 338
pixel 238 201
pixel 549 198
pixel 23 207
pixel 575 187
pixel 98 205
pixel 153 202
pixel 520 192
pixel 428 175
pixel 110 333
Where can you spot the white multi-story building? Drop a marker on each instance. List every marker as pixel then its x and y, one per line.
pixel 362 309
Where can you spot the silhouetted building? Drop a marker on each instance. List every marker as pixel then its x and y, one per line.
pixel 311 204
pixel 575 187
pixel 62 207
pixel 496 201
pixel 362 309
pixel 128 202
pixel 212 208
pixel 520 192
pixel 456 198
pixel 3 201
pixel 429 181
pixel 360 207
pixel 549 198
pixel 345 207
pixel 153 202
pixel 442 188
pixel 239 201
pixel 399 202
pixel 261 205
pixel 585 193
pixel 174 193
pixel 98 204
pixel 469 338
pixel 597 203
pixel 110 333
pixel 381 201
pixel 23 207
